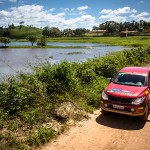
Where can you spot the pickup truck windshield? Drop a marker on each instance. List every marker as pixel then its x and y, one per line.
pixel 130 79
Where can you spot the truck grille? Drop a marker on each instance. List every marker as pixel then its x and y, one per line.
pixel 119 100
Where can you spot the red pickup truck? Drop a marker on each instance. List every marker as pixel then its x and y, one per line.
pixel 128 93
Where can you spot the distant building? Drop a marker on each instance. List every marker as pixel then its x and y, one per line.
pixel 99 31
pixel 128 33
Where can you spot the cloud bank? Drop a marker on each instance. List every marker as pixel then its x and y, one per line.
pixel 79 17
pixel 36 15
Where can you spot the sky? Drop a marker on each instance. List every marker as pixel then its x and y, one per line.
pixel 72 13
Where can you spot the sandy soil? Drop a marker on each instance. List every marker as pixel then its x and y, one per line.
pixel 105 132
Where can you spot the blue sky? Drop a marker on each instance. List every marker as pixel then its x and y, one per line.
pixel 72 13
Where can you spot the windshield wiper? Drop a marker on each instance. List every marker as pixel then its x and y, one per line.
pixel 127 84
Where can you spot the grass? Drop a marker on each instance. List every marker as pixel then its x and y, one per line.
pixel 22 33
pixel 132 41
pixel 135 41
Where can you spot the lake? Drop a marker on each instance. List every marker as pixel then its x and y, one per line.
pixel 13 60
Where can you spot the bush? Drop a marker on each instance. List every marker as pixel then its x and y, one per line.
pixel 5 41
pixel 17 96
pixel 41 137
pixel 59 78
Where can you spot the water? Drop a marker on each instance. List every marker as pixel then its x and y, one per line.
pixel 57 44
pixel 13 60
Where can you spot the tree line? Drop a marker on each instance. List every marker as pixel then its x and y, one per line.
pixel 31 38
pixel 108 26
pixel 112 26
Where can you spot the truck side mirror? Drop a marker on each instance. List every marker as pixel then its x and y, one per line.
pixel 109 79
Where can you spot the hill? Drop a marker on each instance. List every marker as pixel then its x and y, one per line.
pixel 21 32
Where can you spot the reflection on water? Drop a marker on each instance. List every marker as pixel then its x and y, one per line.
pixel 58 44
pixel 19 59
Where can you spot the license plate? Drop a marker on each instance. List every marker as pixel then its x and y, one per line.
pixel 118 107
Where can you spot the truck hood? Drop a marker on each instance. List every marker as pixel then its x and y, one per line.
pixel 125 90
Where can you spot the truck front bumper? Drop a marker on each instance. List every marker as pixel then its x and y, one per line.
pixel 126 110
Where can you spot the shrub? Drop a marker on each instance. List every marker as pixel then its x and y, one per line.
pixel 85 73
pixel 4 40
pixel 41 137
pixel 59 78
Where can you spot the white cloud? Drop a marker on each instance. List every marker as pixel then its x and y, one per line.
pixel 36 15
pixel 52 9
pixel 4 13
pixel 118 15
pixel 82 13
pixel 106 11
pixel 142 16
pixel 66 9
pixel 119 11
pixel 141 2
pixel 13 1
pixel 82 8
pixel 22 2
pixel 60 14
pixel 113 18
pixel 72 9
pixel 81 22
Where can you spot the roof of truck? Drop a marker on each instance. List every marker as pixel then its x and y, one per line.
pixel 137 70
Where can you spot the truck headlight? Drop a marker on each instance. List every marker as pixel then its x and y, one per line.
pixel 138 101
pixel 104 96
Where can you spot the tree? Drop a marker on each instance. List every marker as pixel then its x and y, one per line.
pixel 67 32
pixel 51 32
pixel 79 31
pixel 32 39
pixel 6 32
pixel 42 42
pixel 54 32
pixel 95 28
pixel 12 26
pixel 4 40
pixel 110 26
pixel 21 24
pixel 45 31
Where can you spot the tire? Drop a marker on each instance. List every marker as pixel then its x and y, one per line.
pixel 103 111
pixel 145 116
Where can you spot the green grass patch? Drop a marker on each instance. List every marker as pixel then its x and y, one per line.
pixel 23 32
pixel 121 41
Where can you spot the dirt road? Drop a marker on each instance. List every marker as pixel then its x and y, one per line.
pixel 105 132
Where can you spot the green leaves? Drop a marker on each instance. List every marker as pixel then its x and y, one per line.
pixel 4 40
pixel 32 39
pixel 41 137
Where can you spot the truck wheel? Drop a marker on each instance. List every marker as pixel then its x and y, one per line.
pixel 103 111
pixel 145 116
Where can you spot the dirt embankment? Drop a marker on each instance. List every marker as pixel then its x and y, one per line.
pixel 105 132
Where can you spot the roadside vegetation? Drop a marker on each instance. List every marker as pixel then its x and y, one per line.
pixel 36 108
